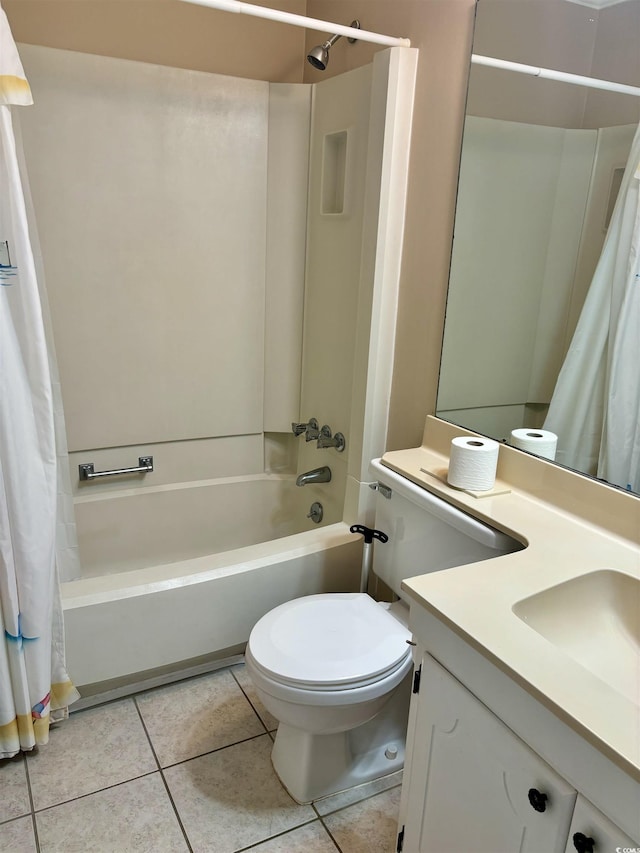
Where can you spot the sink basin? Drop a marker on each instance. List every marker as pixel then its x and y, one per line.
pixel 595 619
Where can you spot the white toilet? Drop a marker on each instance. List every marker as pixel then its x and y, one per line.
pixel 335 669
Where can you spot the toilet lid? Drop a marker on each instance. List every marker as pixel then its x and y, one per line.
pixel 329 641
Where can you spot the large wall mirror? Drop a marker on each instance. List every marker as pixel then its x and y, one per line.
pixel 543 163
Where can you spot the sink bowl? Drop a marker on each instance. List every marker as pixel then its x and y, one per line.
pixel 595 619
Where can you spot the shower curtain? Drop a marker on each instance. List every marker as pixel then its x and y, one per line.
pixel 595 408
pixel 34 686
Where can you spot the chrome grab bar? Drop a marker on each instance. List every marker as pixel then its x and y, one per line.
pixel 86 471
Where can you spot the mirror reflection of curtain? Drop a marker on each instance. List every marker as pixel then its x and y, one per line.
pixel 595 408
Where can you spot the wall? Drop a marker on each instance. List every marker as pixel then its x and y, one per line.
pixel 226 43
pixel 441 30
pixel 518 255
pixel 337 183
pixel 530 225
pixel 616 57
pixel 570 37
pixel 172 33
pixel 152 214
pixel 150 185
pixel 546 33
pixel 521 202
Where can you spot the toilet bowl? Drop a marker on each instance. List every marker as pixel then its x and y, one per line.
pixel 326 666
pixel 335 669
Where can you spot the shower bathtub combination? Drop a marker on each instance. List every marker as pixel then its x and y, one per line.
pixel 176 570
pixel 176 577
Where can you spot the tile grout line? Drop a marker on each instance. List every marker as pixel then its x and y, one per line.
pixel 34 823
pixel 246 696
pixel 320 818
pixel 164 781
pixel 326 828
pixel 91 793
pixel 330 834
pixel 213 751
pixel 271 837
pixel 318 815
pixel 357 802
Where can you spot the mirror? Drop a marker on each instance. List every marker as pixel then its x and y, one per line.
pixel 542 162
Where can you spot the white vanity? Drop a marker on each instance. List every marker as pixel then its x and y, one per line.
pixel 524 729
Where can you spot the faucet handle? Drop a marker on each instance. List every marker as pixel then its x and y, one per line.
pixel 298 429
pixel 312 432
pixel 325 439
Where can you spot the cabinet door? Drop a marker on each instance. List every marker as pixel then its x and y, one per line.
pixel 473 781
pixel 592 832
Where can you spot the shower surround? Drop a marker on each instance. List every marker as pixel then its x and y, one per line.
pixel 222 258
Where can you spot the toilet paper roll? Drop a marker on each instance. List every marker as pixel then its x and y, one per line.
pixel 472 463
pixel 539 441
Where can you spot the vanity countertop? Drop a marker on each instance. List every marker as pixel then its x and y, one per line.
pixel 477 600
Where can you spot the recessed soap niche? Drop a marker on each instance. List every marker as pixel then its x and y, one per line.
pixel 334 172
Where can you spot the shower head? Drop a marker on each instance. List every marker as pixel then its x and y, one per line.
pixel 318 56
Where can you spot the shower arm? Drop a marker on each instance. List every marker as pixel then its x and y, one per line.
pixel 300 21
pixel 329 43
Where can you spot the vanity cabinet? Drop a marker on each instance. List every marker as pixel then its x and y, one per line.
pixel 592 832
pixel 473 786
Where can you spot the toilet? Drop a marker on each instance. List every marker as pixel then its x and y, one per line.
pixel 335 669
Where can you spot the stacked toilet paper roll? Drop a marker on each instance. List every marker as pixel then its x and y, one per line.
pixel 472 463
pixel 539 441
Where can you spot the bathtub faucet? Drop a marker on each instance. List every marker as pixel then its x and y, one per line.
pixel 317 475
pixel 325 439
pixel 310 429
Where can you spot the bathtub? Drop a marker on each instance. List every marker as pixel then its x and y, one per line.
pixel 176 576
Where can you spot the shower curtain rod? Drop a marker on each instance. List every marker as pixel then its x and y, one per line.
pixel 301 21
pixel 560 76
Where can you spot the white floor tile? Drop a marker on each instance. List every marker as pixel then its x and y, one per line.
pixel 17 836
pixel 129 818
pixel 368 827
pixel 240 673
pixel 93 749
pixel 14 800
pixel 196 716
pixel 232 798
pixel 96 785
pixel 311 838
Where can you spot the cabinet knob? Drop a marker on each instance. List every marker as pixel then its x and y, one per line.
pixel 537 799
pixel 583 843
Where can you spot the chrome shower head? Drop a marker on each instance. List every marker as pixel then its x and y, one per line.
pixel 318 56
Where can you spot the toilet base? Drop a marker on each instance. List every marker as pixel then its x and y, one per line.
pixel 313 766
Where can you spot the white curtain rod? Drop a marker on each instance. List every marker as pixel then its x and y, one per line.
pixel 301 21
pixel 561 76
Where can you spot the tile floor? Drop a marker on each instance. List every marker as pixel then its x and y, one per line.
pixel 184 767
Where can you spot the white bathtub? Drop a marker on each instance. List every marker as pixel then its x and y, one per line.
pixel 124 529
pixel 181 573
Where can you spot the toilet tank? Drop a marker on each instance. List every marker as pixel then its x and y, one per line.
pixel 427 534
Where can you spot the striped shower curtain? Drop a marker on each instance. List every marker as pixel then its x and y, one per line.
pixel 34 687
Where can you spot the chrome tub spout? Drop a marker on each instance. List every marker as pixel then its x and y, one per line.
pixel 317 475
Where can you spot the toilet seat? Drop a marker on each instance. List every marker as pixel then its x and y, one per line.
pixel 330 642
